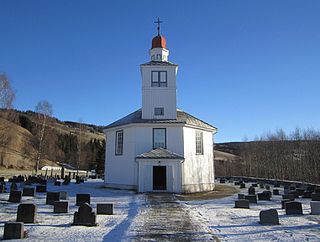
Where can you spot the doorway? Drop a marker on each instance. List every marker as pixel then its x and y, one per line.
pixel 159 178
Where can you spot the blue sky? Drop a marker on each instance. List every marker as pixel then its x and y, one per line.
pixel 246 67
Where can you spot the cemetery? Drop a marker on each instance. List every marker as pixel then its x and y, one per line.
pixel 85 210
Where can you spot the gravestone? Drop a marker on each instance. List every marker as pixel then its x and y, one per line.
pixel 27 213
pixel 317 190
pixel 307 194
pixel 300 191
pixel 13 230
pixel 269 217
pixel 15 196
pixel 241 203
pixel 241 196
pixel 242 185
pixel 264 196
pixel 283 203
pixel 315 207
pixel 82 198
pixel 251 198
pixel 29 191
pixel 288 196
pixel 294 193
pixel 276 192
pixel 61 207
pixel 52 197
pixel 85 216
pixel 277 185
pixel 13 186
pixel 293 208
pixel 41 188
pixel 105 208
pixel 63 195
pixel 254 185
pixel 251 191
pixel 268 187
pixel 261 185
pixel 222 180
pixel 236 183
pixel 315 196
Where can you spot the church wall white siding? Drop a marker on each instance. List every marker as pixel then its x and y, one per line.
pixel 159 96
pixel 197 170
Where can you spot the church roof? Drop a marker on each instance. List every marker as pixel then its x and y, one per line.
pixel 182 118
pixel 159 63
pixel 160 153
pixel 159 41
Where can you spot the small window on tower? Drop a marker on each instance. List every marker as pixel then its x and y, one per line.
pixel 158 56
pixel 159 111
pixel 152 57
pixel 158 78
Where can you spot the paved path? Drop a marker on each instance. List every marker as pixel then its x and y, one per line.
pixel 164 219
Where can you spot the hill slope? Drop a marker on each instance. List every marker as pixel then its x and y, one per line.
pixel 19 132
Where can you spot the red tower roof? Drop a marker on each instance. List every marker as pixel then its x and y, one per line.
pixel 158 42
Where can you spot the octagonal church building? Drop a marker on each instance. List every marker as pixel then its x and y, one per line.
pixel 159 148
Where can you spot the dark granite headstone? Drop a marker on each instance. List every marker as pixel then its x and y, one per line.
pixel 293 208
pixel 29 191
pixel 251 191
pixel 61 207
pixel 288 196
pixel 315 196
pixel 52 197
pixel 264 196
pixel 13 230
pixel 63 195
pixel 268 187
pixel 242 185
pixel 242 203
pixel 41 188
pixel 283 203
pixel 27 213
pixel 251 198
pixel 269 217
pixel 82 198
pixel 85 216
pixel 15 196
pixel 105 208
pixel 241 196
pixel 307 194
pixel 276 192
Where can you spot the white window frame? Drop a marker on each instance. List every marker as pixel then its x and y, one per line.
pixel 199 142
pixel 159 111
pixel 155 145
pixel 119 142
pixel 159 79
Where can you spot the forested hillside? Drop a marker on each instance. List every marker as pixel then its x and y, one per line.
pixel 77 144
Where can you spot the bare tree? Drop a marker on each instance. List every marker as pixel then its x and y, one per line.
pixel 79 145
pixel 7 95
pixel 44 110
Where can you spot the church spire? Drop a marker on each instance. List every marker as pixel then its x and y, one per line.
pixel 158 28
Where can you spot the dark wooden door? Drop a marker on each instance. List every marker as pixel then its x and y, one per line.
pixel 159 178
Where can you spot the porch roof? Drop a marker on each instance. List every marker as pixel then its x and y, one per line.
pixel 160 153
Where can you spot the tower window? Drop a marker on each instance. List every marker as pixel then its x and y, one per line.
pixel 199 143
pixel 158 57
pixel 158 78
pixel 152 57
pixel 159 111
pixel 159 138
pixel 119 142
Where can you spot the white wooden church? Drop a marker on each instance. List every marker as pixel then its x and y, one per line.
pixel 159 148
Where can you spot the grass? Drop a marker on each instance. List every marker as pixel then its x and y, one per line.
pixel 220 191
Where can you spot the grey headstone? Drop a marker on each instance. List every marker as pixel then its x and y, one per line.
pixel 251 198
pixel 288 196
pixel 268 187
pixel 82 198
pixel 27 213
pixel 242 203
pixel 41 188
pixel 242 185
pixel 300 191
pixel 261 185
pixel 293 208
pixel 315 207
pixel 52 197
pixel 254 185
pixel 315 196
pixel 276 192
pixel 269 217
pixel 251 191
pixel 241 196
pixel 15 196
pixel 283 203
pixel 13 230
pixel 61 207
pixel 29 191
pixel 264 196
pixel 105 208
pixel 85 216
pixel 64 195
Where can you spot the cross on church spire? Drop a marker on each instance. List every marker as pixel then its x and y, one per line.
pixel 158 22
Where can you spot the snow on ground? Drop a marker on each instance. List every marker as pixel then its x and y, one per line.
pixel 57 227
pixel 235 224
pixel 136 215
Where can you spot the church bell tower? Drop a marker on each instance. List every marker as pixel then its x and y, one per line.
pixel 159 82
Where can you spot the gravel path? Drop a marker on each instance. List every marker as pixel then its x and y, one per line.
pixel 162 218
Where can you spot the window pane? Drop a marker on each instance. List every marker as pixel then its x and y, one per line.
pixel 199 143
pixel 154 76
pixel 159 138
pixel 158 111
pixel 163 76
pixel 119 142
